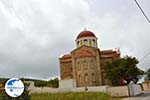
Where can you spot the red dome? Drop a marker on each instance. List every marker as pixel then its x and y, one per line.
pixel 85 34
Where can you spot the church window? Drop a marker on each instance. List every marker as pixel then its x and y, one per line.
pixel 93 77
pixel 85 66
pixel 94 42
pixel 80 79
pixel 85 41
pixel 91 64
pixel 78 44
pixel 86 78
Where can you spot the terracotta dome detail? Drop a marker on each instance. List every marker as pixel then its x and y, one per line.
pixel 85 33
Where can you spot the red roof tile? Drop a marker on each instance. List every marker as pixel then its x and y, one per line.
pixel 86 34
pixel 66 56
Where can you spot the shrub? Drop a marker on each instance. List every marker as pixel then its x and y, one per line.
pixel 51 83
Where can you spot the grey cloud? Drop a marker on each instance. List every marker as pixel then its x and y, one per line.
pixel 34 33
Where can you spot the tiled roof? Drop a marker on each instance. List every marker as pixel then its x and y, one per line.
pixel 66 56
pixel 85 34
pixel 107 51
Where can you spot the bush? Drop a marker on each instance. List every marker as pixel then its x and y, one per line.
pixel 40 83
pixel 54 82
pixel 51 83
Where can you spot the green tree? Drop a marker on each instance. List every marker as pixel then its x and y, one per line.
pixel 40 83
pixel 123 69
pixel 54 82
pixel 147 77
pixel 51 83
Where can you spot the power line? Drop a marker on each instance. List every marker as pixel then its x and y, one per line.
pixel 145 56
pixel 144 14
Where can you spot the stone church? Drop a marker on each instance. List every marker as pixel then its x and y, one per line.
pixel 84 66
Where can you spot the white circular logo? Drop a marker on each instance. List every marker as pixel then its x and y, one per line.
pixel 14 87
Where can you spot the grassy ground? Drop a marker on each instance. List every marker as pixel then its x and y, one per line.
pixel 72 96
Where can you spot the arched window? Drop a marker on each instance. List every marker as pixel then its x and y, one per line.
pixel 93 77
pixel 94 42
pixel 80 79
pixel 79 67
pixel 85 66
pixel 77 43
pixel 86 78
pixel 91 64
pixel 85 41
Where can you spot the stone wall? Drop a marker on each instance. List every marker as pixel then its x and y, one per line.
pixel 70 83
pixel 91 89
pixel 125 91
pixel 146 86
pixel 119 91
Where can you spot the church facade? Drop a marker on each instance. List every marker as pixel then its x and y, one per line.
pixel 84 66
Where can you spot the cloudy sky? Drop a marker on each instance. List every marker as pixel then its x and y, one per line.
pixel 34 33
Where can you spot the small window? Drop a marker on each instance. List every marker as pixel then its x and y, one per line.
pixel 85 66
pixel 91 64
pixel 78 44
pixel 80 80
pixel 94 42
pixel 85 41
pixel 86 78
pixel 93 77
pixel 79 66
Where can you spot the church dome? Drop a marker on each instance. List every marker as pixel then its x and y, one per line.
pixel 87 38
pixel 85 33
